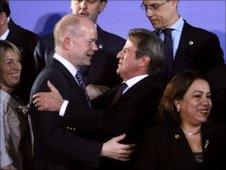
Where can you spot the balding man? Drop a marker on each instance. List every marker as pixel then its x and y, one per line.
pixel 102 71
pixel 57 146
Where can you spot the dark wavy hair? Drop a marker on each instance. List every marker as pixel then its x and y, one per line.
pixel 4 7
pixel 175 90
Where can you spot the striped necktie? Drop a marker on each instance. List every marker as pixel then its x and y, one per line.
pixel 80 80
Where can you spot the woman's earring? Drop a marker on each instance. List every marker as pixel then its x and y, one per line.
pixel 178 109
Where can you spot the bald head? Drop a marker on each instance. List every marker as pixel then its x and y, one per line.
pixel 71 25
pixel 75 38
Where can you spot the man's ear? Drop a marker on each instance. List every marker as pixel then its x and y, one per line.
pixel 3 18
pixel 175 2
pixel 145 60
pixel 67 43
pixel 102 6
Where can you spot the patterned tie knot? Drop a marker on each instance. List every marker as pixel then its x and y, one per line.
pixel 167 31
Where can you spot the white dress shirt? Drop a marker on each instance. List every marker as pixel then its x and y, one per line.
pixel 133 81
pixel 176 34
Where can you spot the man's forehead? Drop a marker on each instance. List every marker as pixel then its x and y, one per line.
pixel 152 1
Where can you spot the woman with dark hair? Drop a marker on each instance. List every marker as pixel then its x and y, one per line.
pixel 184 140
pixel 15 136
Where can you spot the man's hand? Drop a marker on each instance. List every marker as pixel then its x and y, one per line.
pixel 94 91
pixel 114 149
pixel 48 101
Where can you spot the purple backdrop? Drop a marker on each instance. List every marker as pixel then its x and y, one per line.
pixel 119 15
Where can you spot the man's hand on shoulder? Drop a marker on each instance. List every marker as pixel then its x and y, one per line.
pixel 48 101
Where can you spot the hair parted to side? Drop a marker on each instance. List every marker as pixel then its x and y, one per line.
pixel 4 7
pixel 148 44
pixel 174 91
pixel 69 24
pixel 5 46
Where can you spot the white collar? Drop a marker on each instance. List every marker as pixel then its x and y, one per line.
pixel 134 80
pixel 4 36
pixel 70 67
pixel 178 26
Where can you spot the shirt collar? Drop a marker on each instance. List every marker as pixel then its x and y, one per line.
pixel 134 80
pixel 4 36
pixel 178 26
pixel 70 67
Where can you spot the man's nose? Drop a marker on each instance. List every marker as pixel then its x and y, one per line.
pixel 94 46
pixel 83 4
pixel 119 55
pixel 149 13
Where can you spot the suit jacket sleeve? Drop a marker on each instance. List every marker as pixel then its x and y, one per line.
pixel 49 129
pixel 130 114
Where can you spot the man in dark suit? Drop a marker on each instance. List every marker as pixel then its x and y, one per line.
pixel 26 42
pixel 193 48
pixel 102 71
pixel 56 145
pixel 133 110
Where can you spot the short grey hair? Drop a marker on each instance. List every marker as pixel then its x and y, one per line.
pixel 148 44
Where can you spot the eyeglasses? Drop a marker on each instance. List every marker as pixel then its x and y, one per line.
pixel 153 7
pixel 89 1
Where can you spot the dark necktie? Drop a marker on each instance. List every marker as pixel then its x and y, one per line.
pixel 168 43
pixel 119 92
pixel 79 78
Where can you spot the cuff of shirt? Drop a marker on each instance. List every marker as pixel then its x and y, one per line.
pixel 63 108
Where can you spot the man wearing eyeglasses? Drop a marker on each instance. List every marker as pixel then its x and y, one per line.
pixel 102 71
pixel 186 47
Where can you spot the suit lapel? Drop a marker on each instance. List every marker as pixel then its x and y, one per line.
pixel 180 141
pixel 186 40
pixel 71 80
pixel 132 90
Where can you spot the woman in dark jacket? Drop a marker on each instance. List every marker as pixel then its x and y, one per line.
pixel 185 140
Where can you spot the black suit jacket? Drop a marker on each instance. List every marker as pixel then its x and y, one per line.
pixel 198 49
pixel 102 71
pixel 131 114
pixel 217 79
pixel 26 42
pixel 56 146
pixel 166 148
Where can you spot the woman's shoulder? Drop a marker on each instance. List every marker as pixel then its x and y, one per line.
pixel 159 130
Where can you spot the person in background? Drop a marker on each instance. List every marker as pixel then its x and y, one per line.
pixel 184 139
pixel 102 71
pixel 128 108
pixel 15 134
pixel 57 145
pixel 26 42
pixel 186 47
pixel 217 81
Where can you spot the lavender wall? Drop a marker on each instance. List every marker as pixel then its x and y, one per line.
pixel 119 15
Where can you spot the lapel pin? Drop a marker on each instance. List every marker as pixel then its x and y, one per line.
pixel 206 144
pixel 100 46
pixel 190 42
pixel 177 136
